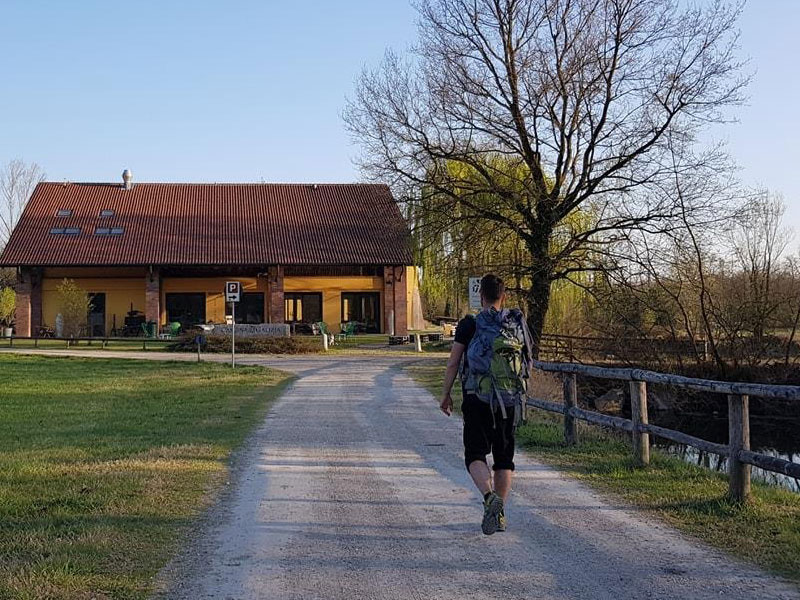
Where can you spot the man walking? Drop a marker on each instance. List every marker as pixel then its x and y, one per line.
pixel 495 347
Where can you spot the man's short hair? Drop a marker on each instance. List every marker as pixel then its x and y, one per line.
pixel 492 287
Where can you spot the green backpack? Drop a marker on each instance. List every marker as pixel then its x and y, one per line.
pixel 498 359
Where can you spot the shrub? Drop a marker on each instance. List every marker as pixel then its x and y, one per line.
pixel 248 345
pixel 74 305
pixel 8 302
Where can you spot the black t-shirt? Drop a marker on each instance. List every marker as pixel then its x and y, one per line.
pixel 465 330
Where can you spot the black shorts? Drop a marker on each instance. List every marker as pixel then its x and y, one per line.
pixel 482 436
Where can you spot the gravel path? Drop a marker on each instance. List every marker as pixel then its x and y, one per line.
pixel 354 487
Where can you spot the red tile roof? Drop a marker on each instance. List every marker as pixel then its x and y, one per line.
pixel 212 224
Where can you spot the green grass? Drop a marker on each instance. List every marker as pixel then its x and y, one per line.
pixel 692 499
pixel 105 463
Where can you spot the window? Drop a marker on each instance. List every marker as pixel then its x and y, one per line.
pixel 106 212
pixel 187 309
pixel 250 308
pixel 102 231
pixel 64 212
pixel 364 309
pixel 72 230
pixel 117 231
pixel 302 307
pixel 57 230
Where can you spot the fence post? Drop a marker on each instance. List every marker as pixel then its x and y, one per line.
pixel 641 440
pixel 738 439
pixel 570 401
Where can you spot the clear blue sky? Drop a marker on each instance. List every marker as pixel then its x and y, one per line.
pixel 244 91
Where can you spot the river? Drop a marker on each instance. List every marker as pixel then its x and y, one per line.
pixel 772 436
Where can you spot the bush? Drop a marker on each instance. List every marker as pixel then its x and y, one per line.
pixel 249 345
pixel 74 306
pixel 8 302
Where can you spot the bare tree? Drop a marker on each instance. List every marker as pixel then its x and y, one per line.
pixel 759 243
pixel 578 96
pixel 17 182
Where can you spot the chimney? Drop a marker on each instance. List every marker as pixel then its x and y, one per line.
pixel 127 179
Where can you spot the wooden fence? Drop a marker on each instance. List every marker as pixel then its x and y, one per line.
pixel 737 451
pixel 103 341
pixel 575 347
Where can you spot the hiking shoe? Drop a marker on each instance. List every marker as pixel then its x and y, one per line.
pixel 492 509
pixel 501 521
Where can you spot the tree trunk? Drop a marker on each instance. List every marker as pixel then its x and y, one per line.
pixel 538 295
pixel 538 299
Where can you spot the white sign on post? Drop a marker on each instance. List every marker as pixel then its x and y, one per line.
pixel 475 293
pixel 233 292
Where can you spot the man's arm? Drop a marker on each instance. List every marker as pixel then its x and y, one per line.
pixel 446 405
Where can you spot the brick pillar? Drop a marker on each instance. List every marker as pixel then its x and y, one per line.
pixel 36 301
pixel 22 314
pixel 276 305
pixel 388 298
pixel 394 298
pixel 152 296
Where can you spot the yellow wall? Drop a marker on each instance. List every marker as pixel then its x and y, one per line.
pixel 128 286
pixel 412 283
pixel 332 288
pixel 120 293
pixel 214 288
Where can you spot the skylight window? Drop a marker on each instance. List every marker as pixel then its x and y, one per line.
pixel 72 230
pixel 106 212
pixel 117 231
pixel 64 212
pixel 57 230
pixel 102 231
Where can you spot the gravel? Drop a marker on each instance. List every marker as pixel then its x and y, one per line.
pixel 354 487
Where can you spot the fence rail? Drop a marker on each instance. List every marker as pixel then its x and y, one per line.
pixel 737 451
pixel 575 347
pixel 104 341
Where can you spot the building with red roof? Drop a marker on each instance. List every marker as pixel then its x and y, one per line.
pixel 304 253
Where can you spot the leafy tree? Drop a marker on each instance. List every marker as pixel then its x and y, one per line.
pixel 74 306
pixel 8 303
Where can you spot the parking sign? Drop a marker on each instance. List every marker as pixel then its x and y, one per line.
pixel 233 291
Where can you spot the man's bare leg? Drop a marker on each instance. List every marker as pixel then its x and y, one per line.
pixel 502 482
pixel 481 475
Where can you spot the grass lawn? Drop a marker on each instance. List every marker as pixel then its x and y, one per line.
pixel 692 499
pixel 104 464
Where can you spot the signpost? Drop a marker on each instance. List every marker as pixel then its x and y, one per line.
pixel 475 293
pixel 233 293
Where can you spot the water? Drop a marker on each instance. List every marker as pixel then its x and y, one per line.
pixel 774 437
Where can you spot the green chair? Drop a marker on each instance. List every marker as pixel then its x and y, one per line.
pixel 348 330
pixel 174 328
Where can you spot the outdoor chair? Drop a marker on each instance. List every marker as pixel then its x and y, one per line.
pixel 348 330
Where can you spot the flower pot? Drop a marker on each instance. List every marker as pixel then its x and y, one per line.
pixel 7 331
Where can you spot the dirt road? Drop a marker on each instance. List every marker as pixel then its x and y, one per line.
pixel 354 487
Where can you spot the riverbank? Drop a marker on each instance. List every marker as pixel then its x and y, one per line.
pixel 688 497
